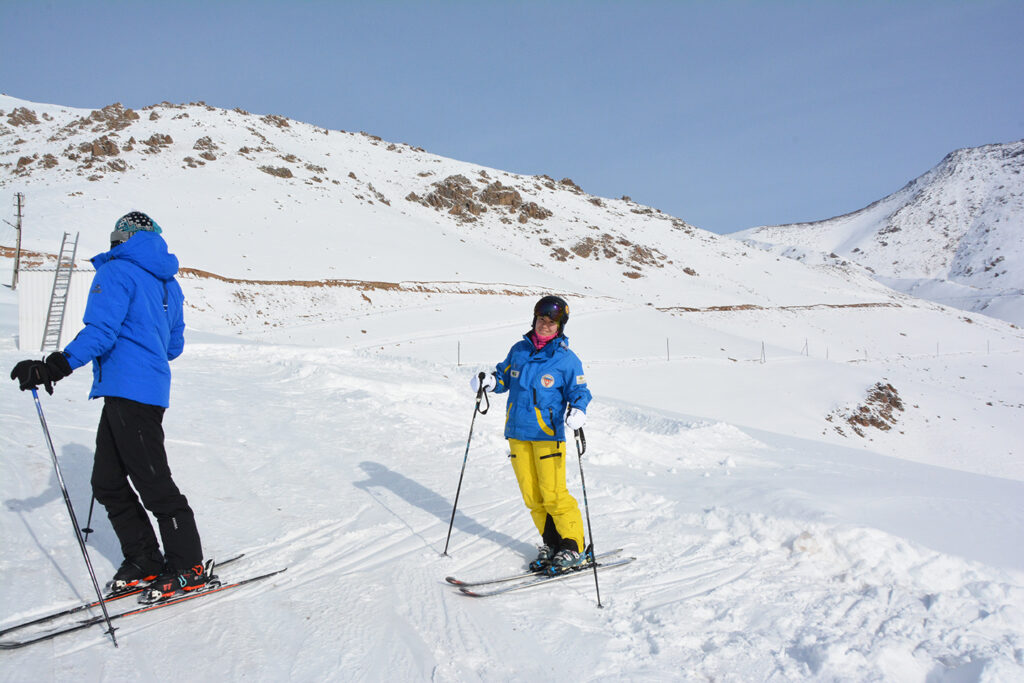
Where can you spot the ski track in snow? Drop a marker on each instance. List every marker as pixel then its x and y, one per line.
pixel 356 504
pixel 759 555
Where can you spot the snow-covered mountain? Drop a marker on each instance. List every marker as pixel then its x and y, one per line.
pixel 263 197
pixel 954 235
pixel 819 475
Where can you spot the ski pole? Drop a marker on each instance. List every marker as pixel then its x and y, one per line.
pixel 74 521
pixel 480 393
pixel 87 529
pixel 581 448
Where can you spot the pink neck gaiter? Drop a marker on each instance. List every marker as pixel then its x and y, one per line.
pixel 540 342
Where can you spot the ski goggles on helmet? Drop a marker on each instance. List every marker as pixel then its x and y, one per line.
pixel 552 307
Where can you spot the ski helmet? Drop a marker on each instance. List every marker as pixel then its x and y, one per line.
pixel 553 307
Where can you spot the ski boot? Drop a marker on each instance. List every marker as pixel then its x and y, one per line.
pixel 544 555
pixel 568 559
pixel 173 583
pixel 136 571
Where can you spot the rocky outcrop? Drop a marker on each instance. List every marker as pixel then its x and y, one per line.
pixel 22 116
pixel 457 195
pixel 279 171
pixel 619 249
pixel 879 411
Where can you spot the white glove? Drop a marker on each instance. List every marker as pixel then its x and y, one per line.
pixel 575 419
pixel 489 382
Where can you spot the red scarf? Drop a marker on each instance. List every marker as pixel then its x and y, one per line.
pixel 540 342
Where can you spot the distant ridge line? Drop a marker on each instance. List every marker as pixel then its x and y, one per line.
pixel 440 286
pixel 755 307
pixel 449 287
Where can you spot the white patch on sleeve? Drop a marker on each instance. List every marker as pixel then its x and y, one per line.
pixel 581 379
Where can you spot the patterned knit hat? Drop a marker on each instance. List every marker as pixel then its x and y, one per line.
pixel 131 223
pixel 135 221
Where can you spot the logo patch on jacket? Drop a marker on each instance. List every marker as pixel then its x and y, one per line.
pixel 97 290
pixel 547 381
pixel 581 379
pixel 515 373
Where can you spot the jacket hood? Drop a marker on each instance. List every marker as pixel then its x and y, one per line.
pixel 147 250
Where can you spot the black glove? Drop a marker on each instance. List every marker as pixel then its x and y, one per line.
pixel 31 373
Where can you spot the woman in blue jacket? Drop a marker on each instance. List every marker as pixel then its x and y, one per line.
pixel 547 393
pixel 133 328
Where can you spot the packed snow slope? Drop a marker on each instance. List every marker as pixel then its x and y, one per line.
pixel 821 478
pixel 955 235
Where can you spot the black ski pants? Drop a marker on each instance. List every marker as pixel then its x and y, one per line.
pixel 130 445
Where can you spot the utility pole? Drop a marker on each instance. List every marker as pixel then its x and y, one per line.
pixel 19 200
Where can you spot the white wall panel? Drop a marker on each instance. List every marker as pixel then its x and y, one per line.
pixel 34 289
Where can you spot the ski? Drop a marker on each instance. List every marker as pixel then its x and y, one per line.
pixel 108 598
pixel 515 577
pixel 539 579
pixel 14 644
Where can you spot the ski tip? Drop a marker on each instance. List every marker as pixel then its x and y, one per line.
pixel 233 558
pixel 453 581
pixel 470 593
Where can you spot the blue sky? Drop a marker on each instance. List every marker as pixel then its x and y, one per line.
pixel 726 114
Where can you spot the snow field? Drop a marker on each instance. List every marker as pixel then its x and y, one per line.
pixel 759 558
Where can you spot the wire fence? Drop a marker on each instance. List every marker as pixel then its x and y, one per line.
pixel 763 352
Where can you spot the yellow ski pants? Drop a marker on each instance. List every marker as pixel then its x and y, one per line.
pixel 540 471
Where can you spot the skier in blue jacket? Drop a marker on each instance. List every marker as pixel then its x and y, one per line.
pixel 133 327
pixel 547 393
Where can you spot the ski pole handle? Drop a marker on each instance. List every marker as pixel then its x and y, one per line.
pixel 581 441
pixel 482 393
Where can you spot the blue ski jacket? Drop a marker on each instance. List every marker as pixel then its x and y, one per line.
pixel 134 325
pixel 541 385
